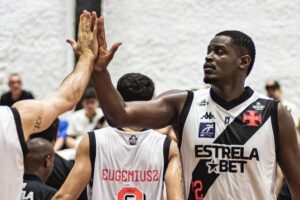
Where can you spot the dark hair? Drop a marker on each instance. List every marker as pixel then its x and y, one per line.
pixel 243 42
pixel 89 93
pixel 135 87
pixel 49 134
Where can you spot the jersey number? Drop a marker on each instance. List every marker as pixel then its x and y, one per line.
pixel 198 187
pixel 131 193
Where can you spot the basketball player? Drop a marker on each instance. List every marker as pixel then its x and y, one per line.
pixel 230 137
pixel 127 163
pixel 32 116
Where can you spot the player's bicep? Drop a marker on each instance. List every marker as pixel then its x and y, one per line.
pixel 289 152
pixel 72 187
pixel 36 116
pixel 173 177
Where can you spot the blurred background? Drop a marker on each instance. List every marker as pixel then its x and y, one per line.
pixel 163 39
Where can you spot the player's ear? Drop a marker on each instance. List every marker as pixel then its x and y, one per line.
pixel 47 161
pixel 244 62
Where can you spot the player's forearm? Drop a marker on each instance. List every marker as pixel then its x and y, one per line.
pixel 74 84
pixel 110 100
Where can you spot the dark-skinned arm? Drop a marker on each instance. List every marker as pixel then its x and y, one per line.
pixel 157 113
pixel 289 152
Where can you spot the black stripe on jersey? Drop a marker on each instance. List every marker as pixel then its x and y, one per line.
pixel 166 147
pixel 184 113
pixel 236 133
pixel 275 127
pixel 92 141
pixel 20 131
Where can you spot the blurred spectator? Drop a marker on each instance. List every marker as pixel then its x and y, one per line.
pixel 274 91
pixel 62 134
pixel 38 165
pixel 84 120
pixel 15 93
pixel 62 167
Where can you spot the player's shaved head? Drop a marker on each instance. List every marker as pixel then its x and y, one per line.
pixel 40 154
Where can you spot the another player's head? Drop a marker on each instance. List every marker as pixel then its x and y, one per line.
pixel 273 89
pixel 40 158
pixel 135 87
pixel 89 100
pixel 230 57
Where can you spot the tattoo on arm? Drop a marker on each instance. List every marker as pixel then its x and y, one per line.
pixel 38 123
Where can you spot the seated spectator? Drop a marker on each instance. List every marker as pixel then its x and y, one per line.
pixel 38 165
pixel 62 134
pixel 84 120
pixel 15 93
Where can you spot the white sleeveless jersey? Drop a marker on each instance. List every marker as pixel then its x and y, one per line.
pixel 229 149
pixel 12 150
pixel 128 166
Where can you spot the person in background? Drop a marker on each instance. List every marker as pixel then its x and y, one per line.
pixel 16 92
pixel 274 91
pixel 61 167
pixel 62 134
pixel 84 120
pixel 38 165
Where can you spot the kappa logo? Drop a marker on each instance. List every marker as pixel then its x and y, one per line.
pixel 251 118
pixel 208 115
pixel 258 106
pixel 133 140
pixel 207 130
pixel 204 102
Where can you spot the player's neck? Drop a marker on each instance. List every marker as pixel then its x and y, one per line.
pixel 131 129
pixel 229 92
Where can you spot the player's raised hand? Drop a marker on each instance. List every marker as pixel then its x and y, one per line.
pixel 104 55
pixel 88 30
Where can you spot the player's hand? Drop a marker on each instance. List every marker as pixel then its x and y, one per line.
pixel 87 35
pixel 104 55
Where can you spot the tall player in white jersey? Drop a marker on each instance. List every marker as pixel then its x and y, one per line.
pixel 126 163
pixel 32 116
pixel 230 137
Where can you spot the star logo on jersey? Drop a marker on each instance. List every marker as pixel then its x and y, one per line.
pixel 207 130
pixel 252 118
pixel 258 106
pixel 212 167
pixel 133 140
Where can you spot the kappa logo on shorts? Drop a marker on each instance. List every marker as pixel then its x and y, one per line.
pixel 207 130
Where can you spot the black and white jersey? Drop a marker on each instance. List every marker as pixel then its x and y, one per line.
pixel 229 149
pixel 128 165
pixel 12 151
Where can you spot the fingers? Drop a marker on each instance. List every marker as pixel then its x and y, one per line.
pixel 101 35
pixel 114 48
pixel 94 18
pixel 96 30
pixel 72 43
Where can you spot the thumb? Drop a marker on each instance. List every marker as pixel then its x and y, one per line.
pixel 114 48
pixel 72 43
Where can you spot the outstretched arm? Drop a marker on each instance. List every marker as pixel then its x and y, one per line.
pixel 173 177
pixel 289 152
pixel 36 116
pixel 157 113
pixel 80 174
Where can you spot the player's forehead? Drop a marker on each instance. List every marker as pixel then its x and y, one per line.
pixel 221 41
